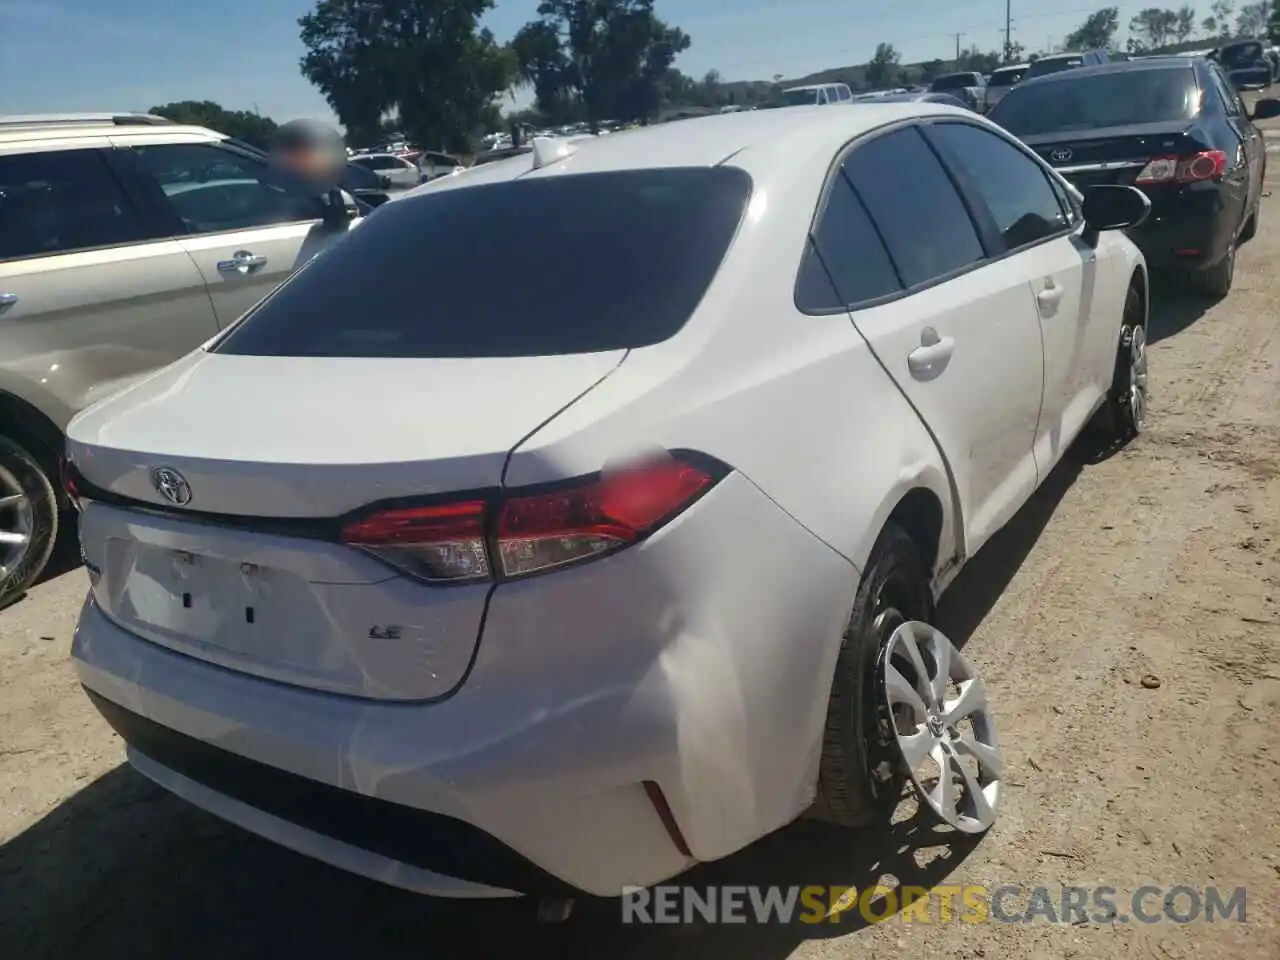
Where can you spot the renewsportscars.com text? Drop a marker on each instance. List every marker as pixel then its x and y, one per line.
pixel 942 904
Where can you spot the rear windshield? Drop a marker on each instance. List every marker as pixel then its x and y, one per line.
pixel 1237 55
pixel 1118 99
pixel 1006 78
pixel 526 267
pixel 798 98
pixel 954 81
pixel 1053 65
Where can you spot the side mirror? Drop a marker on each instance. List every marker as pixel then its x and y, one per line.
pixel 1114 207
pixel 1265 109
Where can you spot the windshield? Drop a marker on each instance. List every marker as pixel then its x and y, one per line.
pixel 1007 78
pixel 1102 100
pixel 1048 65
pixel 954 81
pixel 587 262
pixel 799 98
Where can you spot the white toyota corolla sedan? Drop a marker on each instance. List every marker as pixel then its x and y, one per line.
pixel 605 541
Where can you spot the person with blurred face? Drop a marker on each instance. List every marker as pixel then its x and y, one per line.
pixel 312 151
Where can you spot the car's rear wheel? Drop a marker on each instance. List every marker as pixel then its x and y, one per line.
pixel 1215 281
pixel 28 520
pixel 860 775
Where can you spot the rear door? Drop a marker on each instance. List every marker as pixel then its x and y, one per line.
pixel 962 340
pixel 1037 229
pixel 230 212
pixel 91 295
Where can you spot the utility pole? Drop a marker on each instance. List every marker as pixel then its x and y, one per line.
pixel 958 36
pixel 1008 26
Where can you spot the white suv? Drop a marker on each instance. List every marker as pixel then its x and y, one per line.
pixel 125 242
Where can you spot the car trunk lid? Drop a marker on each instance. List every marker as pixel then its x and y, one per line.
pixel 1112 155
pixel 240 563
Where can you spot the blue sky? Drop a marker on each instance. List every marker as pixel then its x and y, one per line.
pixel 59 55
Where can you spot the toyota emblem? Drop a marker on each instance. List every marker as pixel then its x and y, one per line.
pixel 1060 155
pixel 171 485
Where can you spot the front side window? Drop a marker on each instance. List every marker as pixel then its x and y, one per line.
pixel 1014 187
pixel 617 261
pixel 213 189
pixel 60 202
pixel 915 207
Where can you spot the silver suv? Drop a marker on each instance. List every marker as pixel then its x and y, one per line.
pixel 126 242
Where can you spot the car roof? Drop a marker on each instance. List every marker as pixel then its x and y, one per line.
pixel 1117 66
pixel 17 129
pixel 760 141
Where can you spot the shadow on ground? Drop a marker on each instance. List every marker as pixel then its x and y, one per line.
pixel 122 869
pixel 1172 309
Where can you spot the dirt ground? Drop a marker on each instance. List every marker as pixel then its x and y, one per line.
pixel 1162 561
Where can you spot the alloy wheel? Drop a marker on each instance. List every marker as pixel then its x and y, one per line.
pixel 1138 377
pixel 942 727
pixel 17 523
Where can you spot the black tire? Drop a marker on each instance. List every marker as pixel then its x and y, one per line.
pixel 860 776
pixel 30 478
pixel 1215 282
pixel 1120 420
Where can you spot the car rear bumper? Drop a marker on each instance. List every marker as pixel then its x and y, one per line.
pixel 1188 236
pixel 623 720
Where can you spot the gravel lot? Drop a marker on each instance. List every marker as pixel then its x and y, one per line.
pixel 1163 560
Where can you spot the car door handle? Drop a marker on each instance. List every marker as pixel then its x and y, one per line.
pixel 1049 296
pixel 241 262
pixel 932 356
pixel 7 300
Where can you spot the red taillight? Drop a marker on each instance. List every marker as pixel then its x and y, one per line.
pixel 547 530
pixel 444 542
pixel 67 475
pixel 1184 169
pixel 532 531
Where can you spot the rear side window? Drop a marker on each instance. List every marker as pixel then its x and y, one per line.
pixel 1087 102
pixel 847 249
pixel 60 202
pixel 528 267
pixel 913 203
pixel 1005 78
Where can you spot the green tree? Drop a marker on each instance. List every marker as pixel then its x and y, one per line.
pixel 1252 19
pixel 1218 21
pixel 1153 27
pixel 428 61
pixel 611 56
pixel 241 124
pixel 1273 23
pixel 931 69
pixel 882 69
pixel 1185 25
pixel 1096 32
pixel 977 61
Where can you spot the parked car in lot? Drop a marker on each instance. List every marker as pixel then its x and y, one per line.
pixel 510 602
pixel 1058 62
pixel 402 173
pixel 1245 63
pixel 816 94
pixel 125 242
pixel 971 87
pixel 1002 81
pixel 1171 126
pixel 434 164
pixel 922 97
